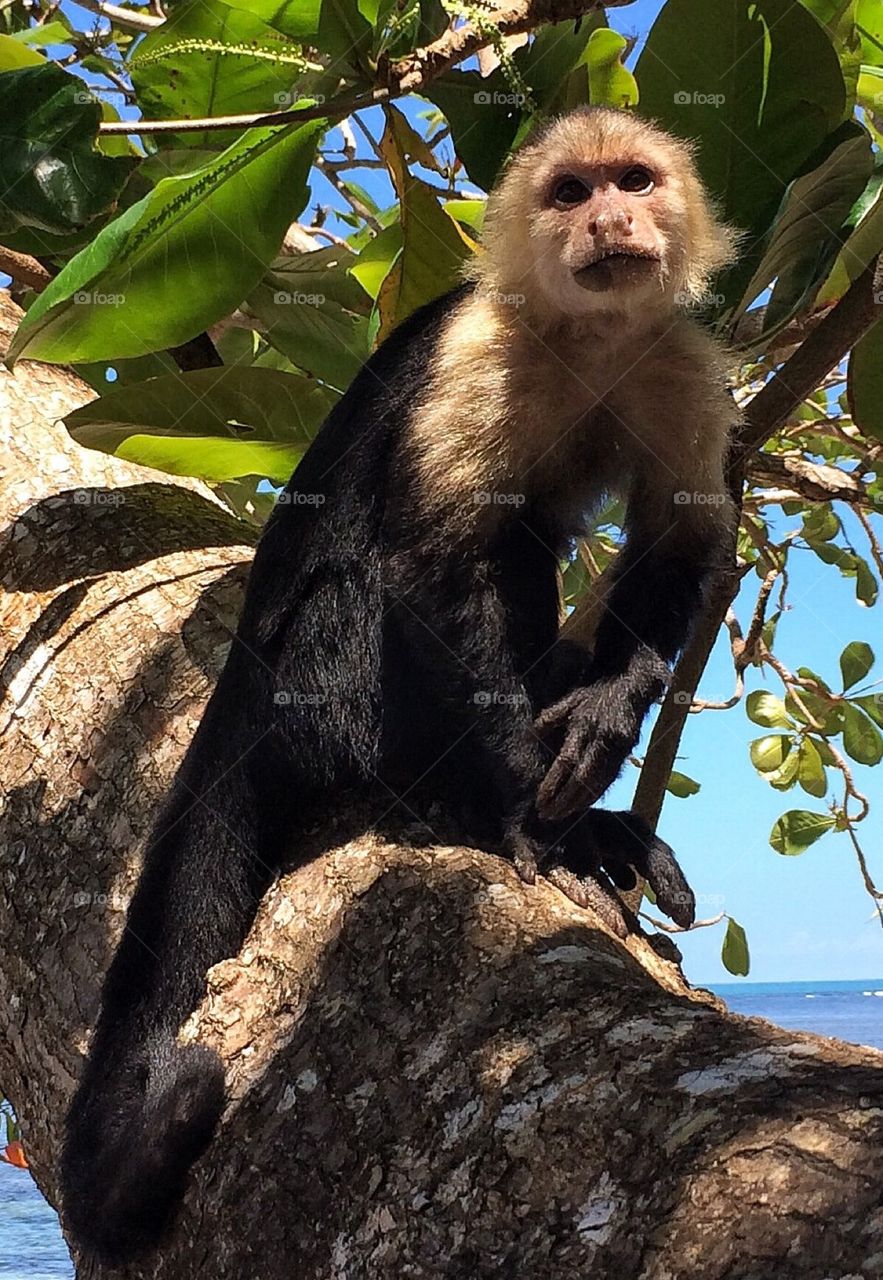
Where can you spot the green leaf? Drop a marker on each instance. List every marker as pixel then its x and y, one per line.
pixel 769 753
pixel 805 239
pixel 824 712
pixel 766 709
pixel 483 120
pixel 217 424
pixel 864 382
pixel 434 246
pixel 610 83
pixel 13 55
pixel 872 704
pixel 856 661
pixel 316 313
pixel 821 524
pixel 861 247
pixel 376 260
pixel 862 739
pixel 178 260
pixel 51 176
pixel 810 771
pixel 797 829
pixel 680 785
pixel 865 582
pixel 208 59
pixel 734 952
pixel 294 18
pixel 47 33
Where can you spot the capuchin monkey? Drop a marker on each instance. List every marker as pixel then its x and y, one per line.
pixel 400 628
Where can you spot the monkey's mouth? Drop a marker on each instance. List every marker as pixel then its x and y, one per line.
pixel 617 268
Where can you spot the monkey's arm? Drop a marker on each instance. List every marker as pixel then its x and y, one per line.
pixel 656 592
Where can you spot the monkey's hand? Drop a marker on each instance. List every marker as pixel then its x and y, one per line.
pixel 594 729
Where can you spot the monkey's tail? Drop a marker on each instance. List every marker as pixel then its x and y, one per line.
pixel 134 1129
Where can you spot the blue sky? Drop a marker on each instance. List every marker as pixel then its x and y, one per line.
pixel 807 917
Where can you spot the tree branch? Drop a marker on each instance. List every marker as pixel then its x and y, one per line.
pixel 24 269
pixel 407 76
pixel 835 335
pixel 126 19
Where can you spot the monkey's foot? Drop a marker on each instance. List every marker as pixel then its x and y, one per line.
pixel 622 846
pixel 594 729
pixel 582 858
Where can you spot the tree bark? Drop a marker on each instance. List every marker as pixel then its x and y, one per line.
pixel 434 1070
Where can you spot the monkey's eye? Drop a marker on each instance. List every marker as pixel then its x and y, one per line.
pixel 570 191
pixel 638 179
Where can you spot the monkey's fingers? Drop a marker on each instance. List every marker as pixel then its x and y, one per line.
pixel 623 841
pixel 667 880
pixel 579 775
pixel 559 713
pixel 590 892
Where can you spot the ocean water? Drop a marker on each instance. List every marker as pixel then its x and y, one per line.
pixel 32 1248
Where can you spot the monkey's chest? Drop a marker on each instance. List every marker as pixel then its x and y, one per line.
pixel 581 463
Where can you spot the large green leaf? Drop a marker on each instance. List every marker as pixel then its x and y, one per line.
pixel 768 754
pixel 797 829
pixel 483 119
pixel 218 424
pixel 316 313
pixel 811 771
pixel 51 176
pixel 178 260
pixel 728 74
pixel 208 59
pixel 13 54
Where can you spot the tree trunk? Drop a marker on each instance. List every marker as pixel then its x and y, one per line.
pixel 434 1070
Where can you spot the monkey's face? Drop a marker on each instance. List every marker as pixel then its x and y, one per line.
pixel 603 213
pixel 606 233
